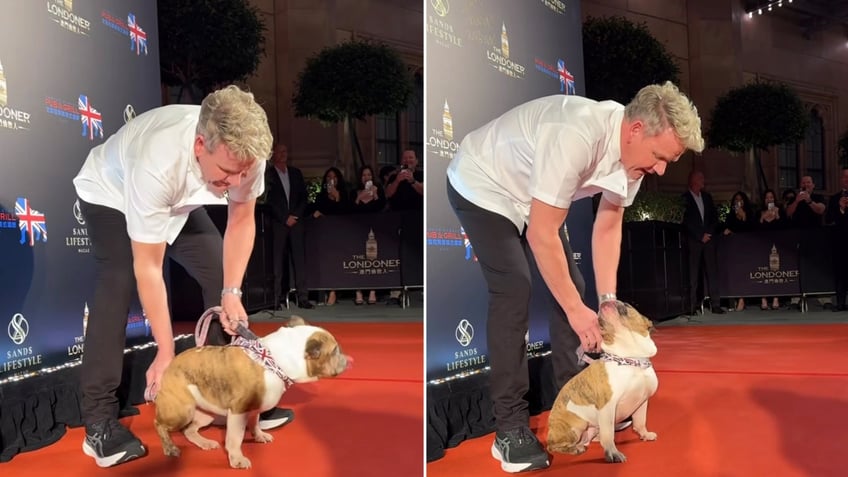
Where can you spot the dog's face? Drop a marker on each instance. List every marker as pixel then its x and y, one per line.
pixel 323 355
pixel 625 331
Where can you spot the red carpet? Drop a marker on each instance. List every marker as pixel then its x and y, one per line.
pixel 732 401
pixel 367 422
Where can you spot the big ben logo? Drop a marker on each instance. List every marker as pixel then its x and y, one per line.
pixel 447 122
pixel 371 246
pixel 4 98
pixel 504 41
pixel 774 259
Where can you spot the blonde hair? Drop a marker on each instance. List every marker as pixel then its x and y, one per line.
pixel 663 106
pixel 232 117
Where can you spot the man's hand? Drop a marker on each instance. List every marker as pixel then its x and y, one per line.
pixel 233 313
pixel 584 322
pixel 155 371
pixel 706 238
pixel 291 221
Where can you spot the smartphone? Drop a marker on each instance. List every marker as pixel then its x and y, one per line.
pixel 771 206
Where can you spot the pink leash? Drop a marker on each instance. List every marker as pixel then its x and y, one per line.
pixel 201 331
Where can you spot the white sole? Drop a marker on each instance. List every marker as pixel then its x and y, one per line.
pixel 106 461
pixel 511 467
pixel 266 425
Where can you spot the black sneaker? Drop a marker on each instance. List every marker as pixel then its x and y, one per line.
pixel 275 417
pixel 110 443
pixel 518 450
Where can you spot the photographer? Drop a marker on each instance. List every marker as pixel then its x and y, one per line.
pixel 808 208
pixel 405 190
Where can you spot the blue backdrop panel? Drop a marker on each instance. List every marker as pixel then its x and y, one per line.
pixel 484 58
pixel 73 71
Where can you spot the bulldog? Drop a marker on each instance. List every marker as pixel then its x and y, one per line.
pixel 612 388
pixel 240 380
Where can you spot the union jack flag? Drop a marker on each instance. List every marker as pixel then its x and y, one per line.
pixel 31 222
pixel 566 79
pixel 92 120
pixel 138 38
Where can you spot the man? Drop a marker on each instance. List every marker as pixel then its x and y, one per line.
pixel 142 194
pixel 511 184
pixel 700 220
pixel 837 215
pixel 808 208
pixel 287 200
pixel 405 192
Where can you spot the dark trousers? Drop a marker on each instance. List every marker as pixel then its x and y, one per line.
pixel 840 267
pixel 289 242
pixel 506 258
pixel 703 257
pixel 198 249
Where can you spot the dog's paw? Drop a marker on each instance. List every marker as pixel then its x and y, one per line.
pixel 239 462
pixel 614 456
pixel 262 437
pixel 171 450
pixel 648 436
pixel 208 444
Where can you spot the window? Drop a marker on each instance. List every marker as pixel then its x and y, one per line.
pixel 415 119
pixel 787 166
pixel 815 150
pixel 396 132
pixel 388 147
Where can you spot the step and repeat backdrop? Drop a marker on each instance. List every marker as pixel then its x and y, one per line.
pixel 71 73
pixel 483 58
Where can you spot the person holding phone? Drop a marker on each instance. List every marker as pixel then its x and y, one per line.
pixel 367 198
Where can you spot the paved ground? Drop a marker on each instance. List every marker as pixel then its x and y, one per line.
pixel 346 311
pixel 816 313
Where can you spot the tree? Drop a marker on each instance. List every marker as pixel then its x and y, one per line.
pixel 205 44
pixel 350 81
pixel 753 118
pixel 621 57
pixel 843 150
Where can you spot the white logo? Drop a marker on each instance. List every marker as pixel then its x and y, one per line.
pixel 18 329
pixel 78 213
pixel 129 113
pixel 464 332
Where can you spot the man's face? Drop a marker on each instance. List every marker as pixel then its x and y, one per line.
pixel 409 159
pixel 281 157
pixel 220 169
pixel 696 182
pixel 641 154
pixel 807 183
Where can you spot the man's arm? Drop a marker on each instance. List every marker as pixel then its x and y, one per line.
pixel 606 245
pixel 147 266
pixel 543 238
pixel 238 241
pixel 817 206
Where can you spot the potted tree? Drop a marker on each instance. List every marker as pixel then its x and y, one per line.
pixel 349 82
pixel 752 118
pixel 198 40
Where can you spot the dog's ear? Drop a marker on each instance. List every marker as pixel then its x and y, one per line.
pixel 313 348
pixel 296 321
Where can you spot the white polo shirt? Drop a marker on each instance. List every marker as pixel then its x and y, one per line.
pixel 556 149
pixel 148 171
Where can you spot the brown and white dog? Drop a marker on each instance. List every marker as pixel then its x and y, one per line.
pixel 610 389
pixel 238 381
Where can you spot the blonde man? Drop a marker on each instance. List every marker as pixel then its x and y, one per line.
pixel 142 194
pixel 511 184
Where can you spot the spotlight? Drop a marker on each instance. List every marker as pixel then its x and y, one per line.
pixel 760 11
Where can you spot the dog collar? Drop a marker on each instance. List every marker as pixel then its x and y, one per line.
pixel 260 354
pixel 638 362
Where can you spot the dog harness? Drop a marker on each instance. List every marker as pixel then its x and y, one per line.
pixel 638 362
pixel 258 353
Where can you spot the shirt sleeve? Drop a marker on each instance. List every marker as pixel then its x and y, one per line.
pixel 252 186
pixel 148 196
pixel 560 160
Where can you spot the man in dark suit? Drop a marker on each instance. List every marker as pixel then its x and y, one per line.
pixel 286 197
pixel 837 215
pixel 700 219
